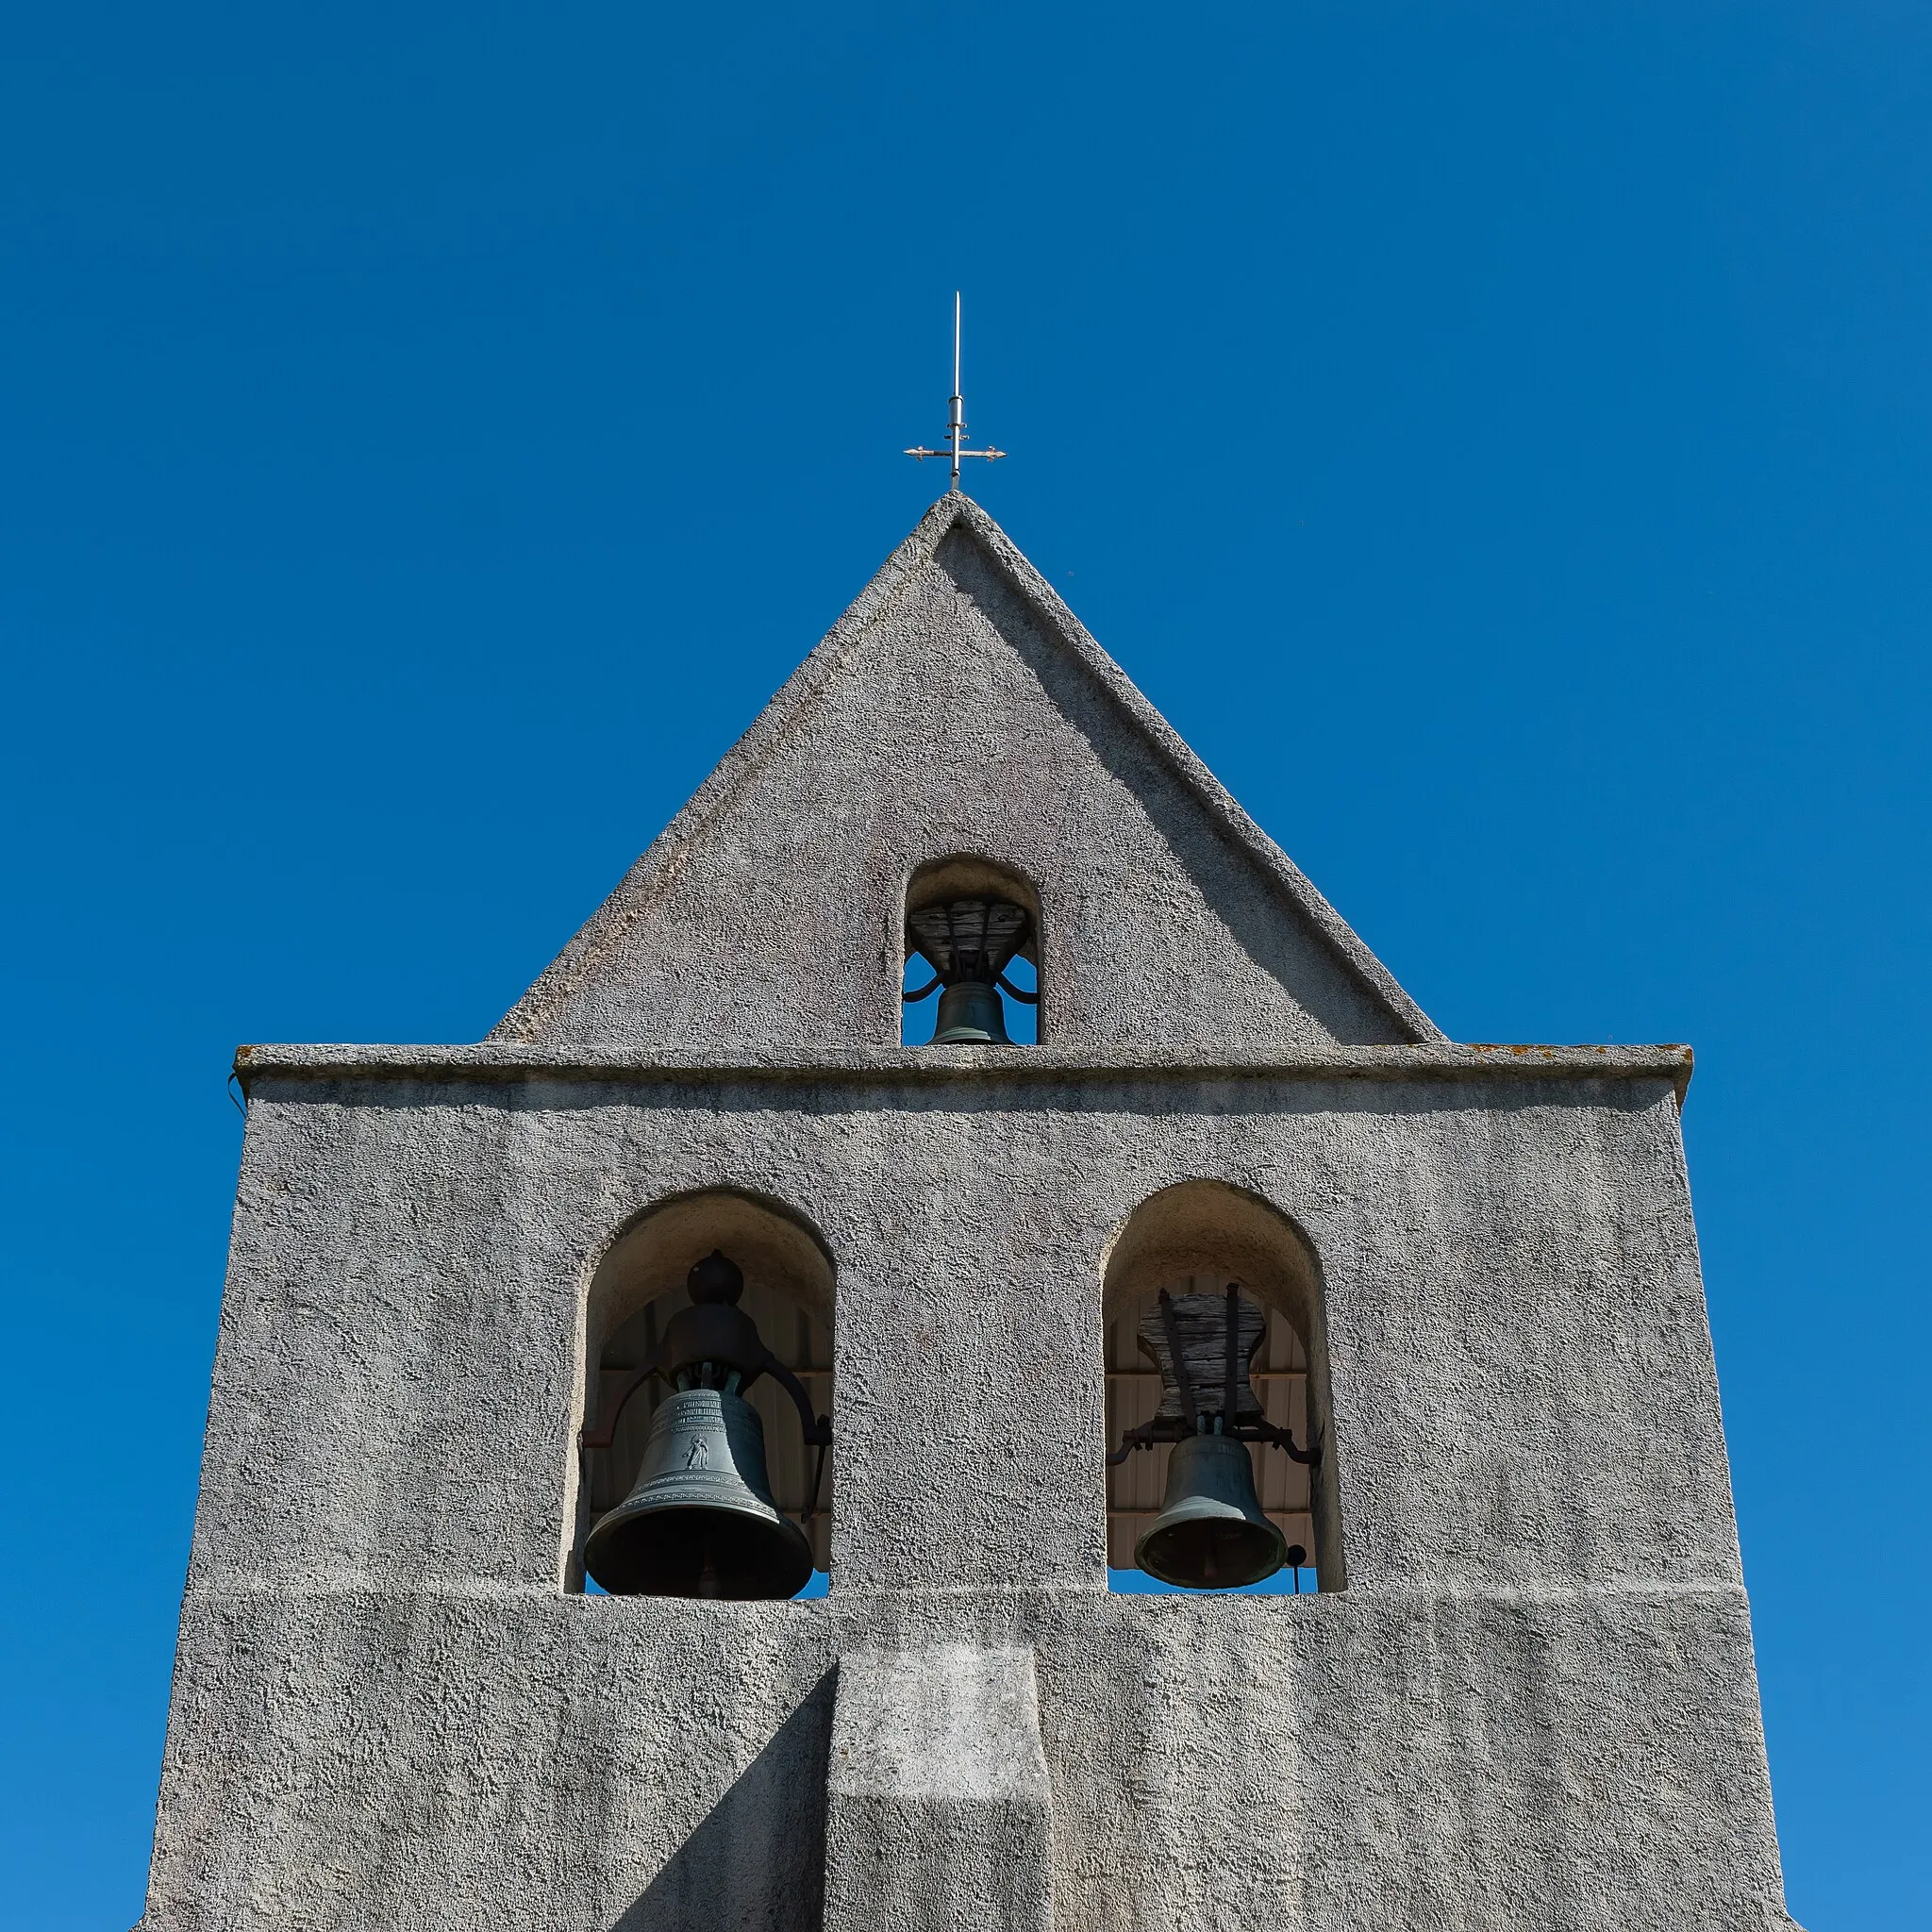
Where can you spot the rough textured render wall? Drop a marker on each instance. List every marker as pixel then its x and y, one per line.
pixel 1533 1706
pixel 937 1796
pixel 959 709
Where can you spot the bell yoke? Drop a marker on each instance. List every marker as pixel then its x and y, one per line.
pixel 700 1520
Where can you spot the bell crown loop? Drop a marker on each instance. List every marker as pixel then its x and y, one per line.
pixel 714 1332
pixel 716 1279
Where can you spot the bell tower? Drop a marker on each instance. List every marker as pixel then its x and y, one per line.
pixel 552 1368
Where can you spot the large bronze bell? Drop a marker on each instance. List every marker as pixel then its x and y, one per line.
pixel 700 1520
pixel 1211 1533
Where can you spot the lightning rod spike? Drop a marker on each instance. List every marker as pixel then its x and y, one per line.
pixel 956 415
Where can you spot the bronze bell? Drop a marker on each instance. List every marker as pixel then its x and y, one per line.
pixel 700 1520
pixel 969 943
pixel 1211 1533
pixel 971 1015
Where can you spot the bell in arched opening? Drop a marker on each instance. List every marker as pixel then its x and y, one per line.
pixel 1211 1532
pixel 700 1520
pixel 969 943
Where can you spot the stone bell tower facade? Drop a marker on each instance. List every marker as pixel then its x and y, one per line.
pixel 1523 1695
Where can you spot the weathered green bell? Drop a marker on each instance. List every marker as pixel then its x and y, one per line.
pixel 969 943
pixel 1211 1533
pixel 970 1014
pixel 700 1520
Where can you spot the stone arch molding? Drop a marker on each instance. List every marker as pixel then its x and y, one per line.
pixel 1213 1230
pixel 638 1280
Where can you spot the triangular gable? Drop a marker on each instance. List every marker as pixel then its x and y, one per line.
pixel 959 707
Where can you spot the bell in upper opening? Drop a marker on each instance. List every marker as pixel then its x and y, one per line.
pixel 1211 1533
pixel 969 942
pixel 971 1015
pixel 700 1520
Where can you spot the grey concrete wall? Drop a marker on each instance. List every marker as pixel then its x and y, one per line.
pixel 959 709
pixel 1478 1759
pixel 938 1798
pixel 1522 1379
pixel 1533 1705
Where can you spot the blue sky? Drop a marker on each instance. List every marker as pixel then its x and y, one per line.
pixel 1498 438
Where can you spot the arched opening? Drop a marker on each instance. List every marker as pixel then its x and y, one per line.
pixel 1215 1251
pixel 971 956
pixel 642 1285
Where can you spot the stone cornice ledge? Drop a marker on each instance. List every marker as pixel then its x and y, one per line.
pixel 500 1062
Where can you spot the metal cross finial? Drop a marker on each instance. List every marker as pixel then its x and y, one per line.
pixel 956 416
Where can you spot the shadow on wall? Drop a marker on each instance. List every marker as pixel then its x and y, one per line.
pixel 757 1863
